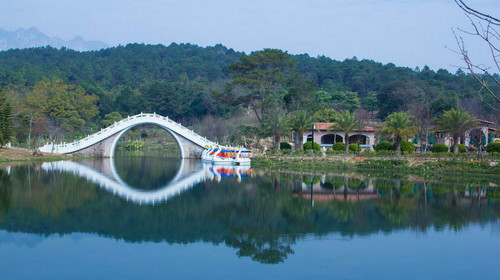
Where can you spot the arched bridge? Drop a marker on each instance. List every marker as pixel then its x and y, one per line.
pixel 103 143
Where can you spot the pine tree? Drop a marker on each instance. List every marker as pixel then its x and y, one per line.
pixel 6 124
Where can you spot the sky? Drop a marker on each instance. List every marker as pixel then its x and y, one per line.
pixel 407 33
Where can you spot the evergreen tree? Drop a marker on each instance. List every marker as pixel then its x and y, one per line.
pixel 6 124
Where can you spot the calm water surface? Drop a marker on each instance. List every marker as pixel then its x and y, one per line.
pixel 146 217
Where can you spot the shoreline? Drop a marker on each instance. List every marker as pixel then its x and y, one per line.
pixel 14 154
pixel 460 169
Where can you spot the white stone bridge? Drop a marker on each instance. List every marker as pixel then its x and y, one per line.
pixel 103 143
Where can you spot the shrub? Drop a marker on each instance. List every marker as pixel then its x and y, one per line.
pixel 439 148
pixel 308 144
pixel 271 151
pixel 368 152
pixel 134 145
pixel 462 148
pixel 493 147
pixel 285 151
pixel 354 147
pixel 407 147
pixel 339 146
pixel 285 146
pixel 384 146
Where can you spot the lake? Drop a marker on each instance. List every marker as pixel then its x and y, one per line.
pixel 142 216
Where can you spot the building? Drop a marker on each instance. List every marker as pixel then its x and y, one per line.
pixel 326 138
pixel 482 134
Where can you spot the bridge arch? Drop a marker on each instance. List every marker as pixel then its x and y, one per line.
pixel 183 180
pixel 120 134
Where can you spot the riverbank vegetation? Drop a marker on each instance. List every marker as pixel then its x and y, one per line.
pixel 459 166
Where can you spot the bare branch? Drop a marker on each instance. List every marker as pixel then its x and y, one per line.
pixel 477 14
pixel 483 27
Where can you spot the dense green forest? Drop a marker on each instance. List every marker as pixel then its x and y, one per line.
pixel 64 92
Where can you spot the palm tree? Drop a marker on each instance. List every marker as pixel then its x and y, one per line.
pixel 275 124
pixel 398 125
pixel 346 122
pixel 300 122
pixel 456 122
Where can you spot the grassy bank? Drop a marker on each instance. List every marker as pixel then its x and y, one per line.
pixel 384 166
pixel 19 154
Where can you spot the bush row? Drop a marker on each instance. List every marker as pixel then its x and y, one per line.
pixel 406 147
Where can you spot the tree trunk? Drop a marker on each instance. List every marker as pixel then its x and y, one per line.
pixel 346 141
pixel 455 144
pixel 29 133
pixel 277 140
pixel 398 147
pixel 298 140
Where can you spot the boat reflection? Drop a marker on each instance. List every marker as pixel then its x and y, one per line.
pixel 217 172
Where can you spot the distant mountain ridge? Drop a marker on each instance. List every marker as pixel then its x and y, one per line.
pixel 32 37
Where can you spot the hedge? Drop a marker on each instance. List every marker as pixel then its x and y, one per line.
pixel 354 147
pixel 407 147
pixel 339 146
pixel 493 147
pixel 384 147
pixel 285 146
pixel 307 146
pixel 439 148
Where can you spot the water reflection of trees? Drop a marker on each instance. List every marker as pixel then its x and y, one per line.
pixel 261 218
pixel 5 194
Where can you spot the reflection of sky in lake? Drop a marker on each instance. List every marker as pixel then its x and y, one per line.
pixel 469 254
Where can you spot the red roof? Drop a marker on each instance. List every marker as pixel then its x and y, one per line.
pixel 326 126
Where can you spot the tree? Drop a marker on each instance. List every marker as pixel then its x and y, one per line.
pixel 346 122
pixel 346 100
pixel 68 106
pixel 325 115
pixel 300 121
pixel 6 125
pixel 275 124
pixel 485 27
pixel 456 122
pixel 111 118
pixel 301 95
pixel 400 126
pixel 259 79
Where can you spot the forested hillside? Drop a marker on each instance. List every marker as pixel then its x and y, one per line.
pixel 61 91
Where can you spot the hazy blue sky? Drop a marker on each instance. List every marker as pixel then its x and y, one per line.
pixel 406 32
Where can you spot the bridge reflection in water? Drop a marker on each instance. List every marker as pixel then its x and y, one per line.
pixel 189 174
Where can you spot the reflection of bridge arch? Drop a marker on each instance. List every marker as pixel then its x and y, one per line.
pixel 115 184
pixel 103 143
pixel 104 174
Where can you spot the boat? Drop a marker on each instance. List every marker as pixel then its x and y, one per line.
pixel 227 156
pixel 243 158
pixel 223 157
